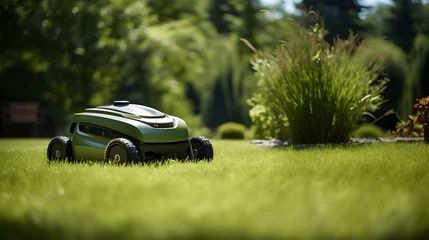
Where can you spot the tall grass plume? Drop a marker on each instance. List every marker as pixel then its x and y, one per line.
pixel 321 90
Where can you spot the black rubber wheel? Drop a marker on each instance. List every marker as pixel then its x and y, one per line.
pixel 121 151
pixel 60 148
pixel 202 148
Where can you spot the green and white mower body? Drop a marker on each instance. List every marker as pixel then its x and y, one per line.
pixel 124 132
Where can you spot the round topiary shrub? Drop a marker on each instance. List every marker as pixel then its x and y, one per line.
pixel 369 131
pixel 231 130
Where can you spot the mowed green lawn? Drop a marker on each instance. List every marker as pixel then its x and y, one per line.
pixel 371 191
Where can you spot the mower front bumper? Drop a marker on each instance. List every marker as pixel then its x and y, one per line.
pixel 174 150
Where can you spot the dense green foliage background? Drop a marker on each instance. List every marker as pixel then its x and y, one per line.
pixel 184 57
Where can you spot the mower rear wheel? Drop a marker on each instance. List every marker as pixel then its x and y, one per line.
pixel 202 148
pixel 60 148
pixel 121 151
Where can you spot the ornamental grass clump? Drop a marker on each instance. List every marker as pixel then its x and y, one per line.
pixel 323 91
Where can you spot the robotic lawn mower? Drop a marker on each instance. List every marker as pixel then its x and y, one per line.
pixel 124 133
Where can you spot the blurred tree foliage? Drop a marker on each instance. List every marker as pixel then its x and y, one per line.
pixel 339 16
pixel 80 47
pixel 396 69
pixel 417 84
pixel 184 57
pixel 398 22
pixel 406 24
pixel 224 98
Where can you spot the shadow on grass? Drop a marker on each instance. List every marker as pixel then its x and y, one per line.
pixel 10 229
pixel 151 163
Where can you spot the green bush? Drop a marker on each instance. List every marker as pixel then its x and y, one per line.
pixel 231 130
pixel 369 131
pixel 413 127
pixel 323 91
pixel 416 123
pixel 266 124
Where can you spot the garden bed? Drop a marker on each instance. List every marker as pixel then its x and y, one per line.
pixel 352 142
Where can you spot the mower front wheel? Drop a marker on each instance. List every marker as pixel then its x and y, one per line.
pixel 202 148
pixel 60 148
pixel 121 151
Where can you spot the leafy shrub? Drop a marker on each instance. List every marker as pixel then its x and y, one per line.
pixel 414 126
pixel 323 91
pixel 266 124
pixel 369 131
pixel 422 108
pixel 411 128
pixel 231 130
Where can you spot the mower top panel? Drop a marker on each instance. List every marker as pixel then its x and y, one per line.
pixel 134 109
